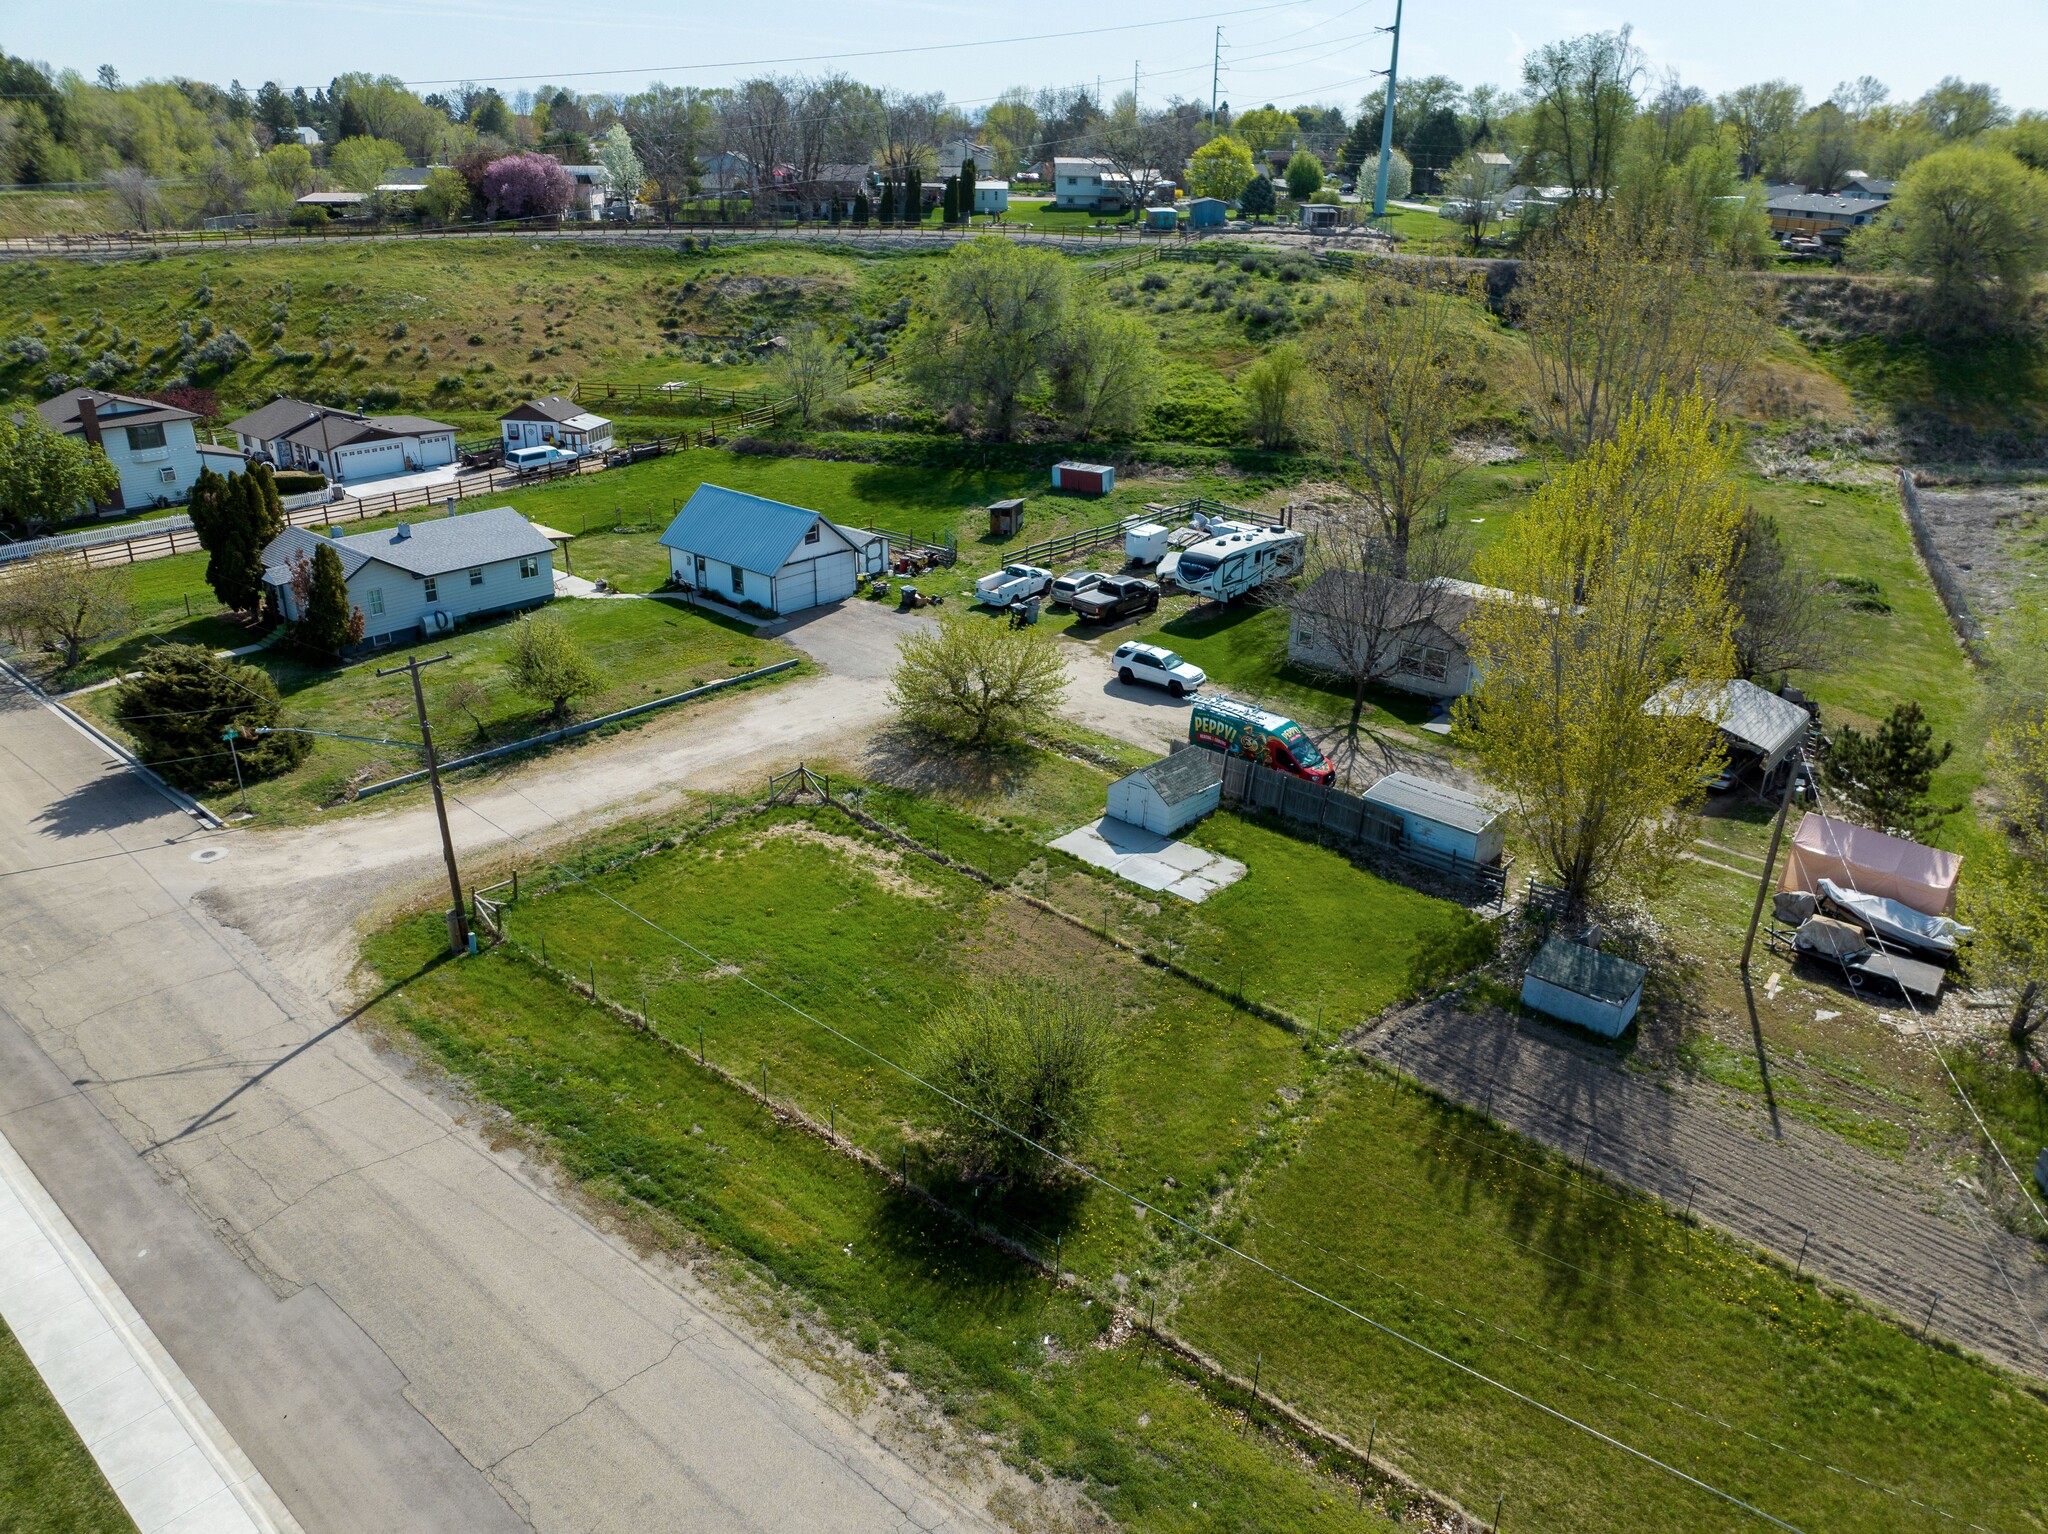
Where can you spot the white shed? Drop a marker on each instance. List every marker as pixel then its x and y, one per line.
pixel 1171 794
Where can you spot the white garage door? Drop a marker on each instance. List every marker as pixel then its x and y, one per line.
pixel 797 587
pixel 836 577
pixel 369 462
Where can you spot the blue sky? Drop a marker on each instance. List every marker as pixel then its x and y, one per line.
pixel 1302 51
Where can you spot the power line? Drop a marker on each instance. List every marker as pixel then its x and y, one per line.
pixel 1195 1231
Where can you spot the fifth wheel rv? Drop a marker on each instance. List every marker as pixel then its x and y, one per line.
pixel 1236 558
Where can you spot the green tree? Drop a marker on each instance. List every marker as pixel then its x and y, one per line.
pixel 1619 565
pixel 1105 373
pixel 1974 222
pixel 986 327
pixel 1886 775
pixel 1257 199
pixel 548 664
pixel 1581 96
pixel 1020 1068
pixel 61 602
pixel 180 700
pixel 811 370
pixel 46 476
pixel 1304 176
pixel 329 625
pixel 1263 128
pixel 289 167
pixel 623 172
pixel 359 164
pixel 1221 168
pixel 976 682
pixel 1272 387
pixel 446 196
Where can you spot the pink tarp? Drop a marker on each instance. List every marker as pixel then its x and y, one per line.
pixel 1872 863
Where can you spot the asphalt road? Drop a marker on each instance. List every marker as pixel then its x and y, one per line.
pixel 402 1327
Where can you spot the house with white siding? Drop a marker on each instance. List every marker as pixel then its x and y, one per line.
pixel 423 578
pixel 554 419
pixel 741 548
pixel 345 445
pixel 151 445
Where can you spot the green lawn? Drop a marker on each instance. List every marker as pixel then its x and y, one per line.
pixel 49 1483
pixel 643 650
pixel 1604 1307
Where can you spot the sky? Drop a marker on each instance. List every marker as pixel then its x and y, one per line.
pixel 1287 53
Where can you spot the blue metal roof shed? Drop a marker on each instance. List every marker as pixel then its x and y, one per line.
pixel 1598 991
pixel 748 549
pixel 1445 819
pixel 1207 212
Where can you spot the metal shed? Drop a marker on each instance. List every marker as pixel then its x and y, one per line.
pixel 1084 478
pixel 1446 819
pixel 1596 991
pixel 1161 218
pixel 1207 212
pixel 1172 793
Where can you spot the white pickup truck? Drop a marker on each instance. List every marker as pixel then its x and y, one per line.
pixel 1012 583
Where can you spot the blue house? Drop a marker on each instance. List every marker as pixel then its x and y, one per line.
pixel 744 548
pixel 1576 984
pixel 1207 212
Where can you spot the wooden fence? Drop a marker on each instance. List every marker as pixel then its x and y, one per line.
pixel 1335 815
pixel 1088 539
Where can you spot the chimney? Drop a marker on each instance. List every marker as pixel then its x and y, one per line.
pixel 89 419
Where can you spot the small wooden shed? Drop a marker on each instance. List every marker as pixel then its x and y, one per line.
pixel 1171 794
pixel 1006 518
pixel 1576 984
pixel 1084 478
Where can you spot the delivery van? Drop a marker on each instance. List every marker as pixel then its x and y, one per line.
pixel 1239 729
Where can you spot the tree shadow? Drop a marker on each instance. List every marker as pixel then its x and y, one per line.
pixel 113 801
pixel 900 757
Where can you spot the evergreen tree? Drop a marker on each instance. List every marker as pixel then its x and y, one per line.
pixel 888 213
pixel 1258 198
pixel 230 529
pixel 969 174
pixel 1886 774
pixel 352 123
pixel 861 210
pixel 273 504
pixel 1361 147
pixel 327 624
pixel 950 212
pixel 180 701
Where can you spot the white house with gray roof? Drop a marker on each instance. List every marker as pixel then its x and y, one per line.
pixel 742 548
pixel 151 445
pixel 343 444
pixel 424 577
pixel 552 418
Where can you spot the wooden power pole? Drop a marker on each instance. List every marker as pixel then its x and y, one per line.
pixel 458 924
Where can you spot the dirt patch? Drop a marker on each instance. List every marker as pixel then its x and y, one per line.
pixel 1996 538
pixel 883 864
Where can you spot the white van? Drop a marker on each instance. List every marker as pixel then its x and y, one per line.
pixel 525 460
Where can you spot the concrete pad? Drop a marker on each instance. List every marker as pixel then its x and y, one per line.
pixel 422 479
pixel 1150 861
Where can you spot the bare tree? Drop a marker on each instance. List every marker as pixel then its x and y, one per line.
pixel 1396 376
pixel 910 131
pixel 811 369
pixel 135 193
pixel 669 127
pixel 1785 615
pixel 1364 612
pixel 1132 141
pixel 62 603
pixel 1617 307
pixel 757 117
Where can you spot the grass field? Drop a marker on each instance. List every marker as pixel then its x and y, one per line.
pixel 49 1483
pixel 643 650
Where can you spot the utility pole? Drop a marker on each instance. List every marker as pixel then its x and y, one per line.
pixel 1795 785
pixel 241 793
pixel 1215 78
pixel 458 925
pixel 1379 186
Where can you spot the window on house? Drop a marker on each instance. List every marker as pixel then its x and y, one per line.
pixel 739 581
pixel 142 438
pixel 433 589
pixel 812 535
pixel 529 567
pixel 476 577
pixel 1426 661
pixel 376 598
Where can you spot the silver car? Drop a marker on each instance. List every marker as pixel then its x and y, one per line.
pixel 1161 668
pixel 1072 584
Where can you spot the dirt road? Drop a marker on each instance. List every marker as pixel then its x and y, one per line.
pixel 1795 1191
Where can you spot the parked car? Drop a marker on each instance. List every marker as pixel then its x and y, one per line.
pixel 1240 729
pixel 1072 584
pixel 1012 583
pixel 1149 663
pixel 528 460
pixel 1117 596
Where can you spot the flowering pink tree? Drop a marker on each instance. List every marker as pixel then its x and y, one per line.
pixel 526 186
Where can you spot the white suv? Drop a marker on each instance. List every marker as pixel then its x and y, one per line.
pixel 1162 668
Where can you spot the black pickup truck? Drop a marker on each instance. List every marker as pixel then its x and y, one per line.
pixel 1117 597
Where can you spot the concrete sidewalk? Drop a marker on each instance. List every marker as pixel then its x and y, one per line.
pixel 167 1457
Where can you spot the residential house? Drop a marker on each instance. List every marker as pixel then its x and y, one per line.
pixel 342 444
pixel 958 150
pixel 1498 168
pixel 1090 186
pixel 309 137
pixel 586 192
pixel 727 172
pixel 334 204
pixel 741 548
pixel 1861 184
pixel 1426 651
pixel 1817 216
pixel 424 578
pixel 832 190
pixel 554 419
pixel 151 445
pixel 991 196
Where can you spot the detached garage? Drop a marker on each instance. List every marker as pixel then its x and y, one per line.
pixel 751 551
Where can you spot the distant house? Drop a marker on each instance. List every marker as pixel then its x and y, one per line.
pixel 342 444
pixel 586 192
pixel 1498 167
pixel 991 196
pixel 745 548
pixel 958 150
pixel 1818 216
pixel 151 445
pixel 1090 186
pixel 310 137
pixel 1426 652
pixel 554 419
pixel 727 171
pixel 1861 185
pixel 335 204
pixel 425 577
pixel 833 189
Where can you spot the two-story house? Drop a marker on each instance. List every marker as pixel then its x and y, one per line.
pixel 151 445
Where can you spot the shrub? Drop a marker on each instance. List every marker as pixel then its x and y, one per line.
pixel 976 681
pixel 223 351
pixel 548 664
pixel 291 482
pixel 182 699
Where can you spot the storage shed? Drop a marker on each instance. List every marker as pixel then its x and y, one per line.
pixel 1006 518
pixel 1167 219
pixel 1084 478
pixel 1207 212
pixel 1445 819
pixel 1576 984
pixel 1172 793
